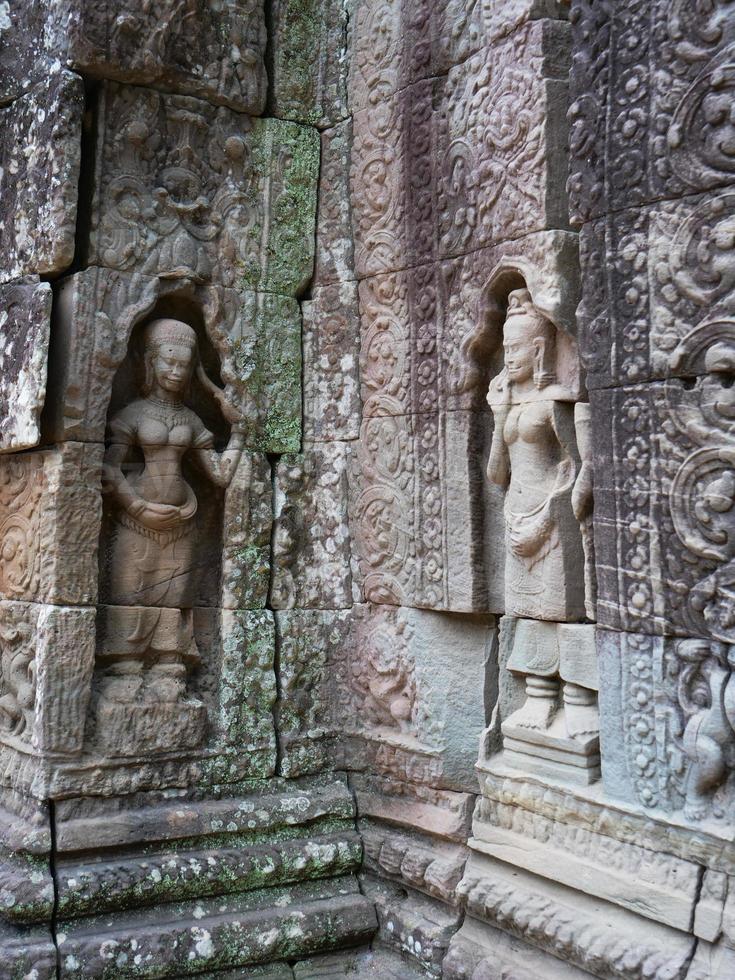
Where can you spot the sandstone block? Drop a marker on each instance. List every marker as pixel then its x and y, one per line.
pixel 660 750
pixel 665 496
pixel 50 516
pixel 311 537
pixel 431 337
pixel 667 291
pixel 25 325
pixel 255 336
pixel 331 342
pixel 215 51
pixel 666 131
pixel 47 658
pixel 426 529
pixel 366 690
pixel 335 260
pixel 40 135
pixel 579 930
pixel 230 214
pixel 311 48
pixel 400 42
pixel 502 163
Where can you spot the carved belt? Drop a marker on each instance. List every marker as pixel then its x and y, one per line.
pixel 161 538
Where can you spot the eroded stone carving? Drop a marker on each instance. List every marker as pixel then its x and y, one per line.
pixel 534 458
pixel 148 637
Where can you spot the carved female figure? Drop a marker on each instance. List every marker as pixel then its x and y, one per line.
pixel 149 622
pixel 534 459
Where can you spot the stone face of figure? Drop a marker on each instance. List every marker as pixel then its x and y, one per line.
pixel 148 642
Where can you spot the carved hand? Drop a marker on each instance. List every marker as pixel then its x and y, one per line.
pixel 582 493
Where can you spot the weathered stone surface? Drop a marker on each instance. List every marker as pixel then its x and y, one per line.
pixel 661 748
pixel 454 180
pixel 215 51
pixel 40 135
pixel 184 191
pixel 478 950
pixel 311 543
pixel 666 291
pixel 46 661
pixel 28 952
pixel 425 863
pixel 503 147
pixel 408 805
pixel 431 336
pixel 379 690
pixel 335 260
pixel 223 932
pixel 652 86
pixel 663 504
pixel 255 337
pixel 601 866
pixel 583 932
pixel 21 47
pixel 50 513
pixel 25 323
pixel 399 42
pixel 426 530
pixel 331 341
pixel 412 924
pixel 311 49
pixel 376 964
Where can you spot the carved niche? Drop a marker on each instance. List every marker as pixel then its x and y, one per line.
pixel 538 419
pixel 151 554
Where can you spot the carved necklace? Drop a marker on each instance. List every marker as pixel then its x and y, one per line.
pixel 167 413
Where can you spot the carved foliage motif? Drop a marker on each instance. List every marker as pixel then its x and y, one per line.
pixel 478 160
pixel 17 669
pixel 21 486
pixel 183 193
pixel 669 70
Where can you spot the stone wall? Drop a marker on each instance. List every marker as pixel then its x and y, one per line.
pixel 365 489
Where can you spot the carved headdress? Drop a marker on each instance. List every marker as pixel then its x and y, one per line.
pixel 520 305
pixel 159 333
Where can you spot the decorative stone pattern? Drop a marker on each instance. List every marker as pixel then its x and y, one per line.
pixel 380 687
pixel 50 513
pixel 331 342
pixel 456 180
pixel 311 44
pixel 311 539
pixel 40 135
pixel 25 324
pixel 653 80
pixel 185 191
pixel 215 51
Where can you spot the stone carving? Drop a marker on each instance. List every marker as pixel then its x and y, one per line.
pixel 40 135
pixel 706 698
pixel 311 542
pixel 583 503
pixel 311 43
pixel 550 719
pixel 214 50
pixel 17 671
pixel 185 192
pixel 50 514
pixel 256 335
pixel 534 459
pixel 25 326
pixel 148 637
pixel 331 384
